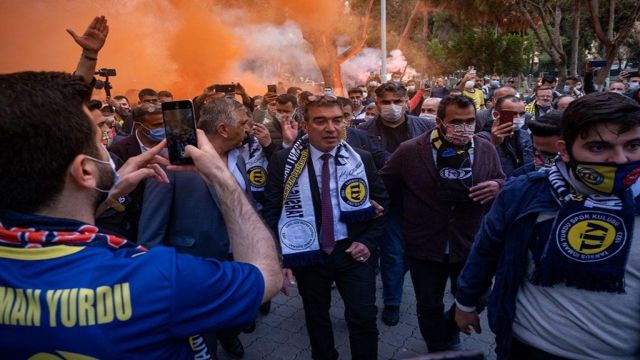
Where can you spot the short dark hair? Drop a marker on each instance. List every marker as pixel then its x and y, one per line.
pixel 293 90
pixel 284 99
pixel 139 112
pixel 146 92
pixel 355 90
pixel 94 105
pixel 554 103
pixel 546 125
pixel 120 97
pixel 305 95
pixel 500 102
pixel 342 101
pixel 596 108
pixel 572 78
pixel 459 101
pixel 165 93
pixel 43 127
pixel 548 79
pixel 394 87
pixel 321 101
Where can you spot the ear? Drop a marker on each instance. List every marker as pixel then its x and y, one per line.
pixel 496 115
pixel 561 146
pixel 222 130
pixel 305 125
pixel 83 172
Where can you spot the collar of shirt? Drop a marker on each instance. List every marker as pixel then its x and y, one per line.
pixel 316 154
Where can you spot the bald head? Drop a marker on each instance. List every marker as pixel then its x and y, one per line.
pixel 502 92
pixel 430 106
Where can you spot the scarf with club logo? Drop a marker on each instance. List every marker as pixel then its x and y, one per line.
pixel 297 225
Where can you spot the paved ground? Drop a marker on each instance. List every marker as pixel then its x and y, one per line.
pixel 282 334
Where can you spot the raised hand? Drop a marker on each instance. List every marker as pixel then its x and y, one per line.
pixel 289 130
pixel 94 36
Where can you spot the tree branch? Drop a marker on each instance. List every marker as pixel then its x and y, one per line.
pixel 534 28
pixel 597 27
pixel 363 37
pixel 625 29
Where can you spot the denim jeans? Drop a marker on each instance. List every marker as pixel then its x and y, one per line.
pixel 392 268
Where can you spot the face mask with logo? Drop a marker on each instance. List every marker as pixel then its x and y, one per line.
pixel 607 178
pixel 155 135
pixel 459 135
pixel 518 122
pixel 392 112
pixel 544 160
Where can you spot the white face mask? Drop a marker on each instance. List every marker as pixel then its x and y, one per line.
pixel 364 94
pixel 411 88
pixel 518 123
pixel 392 112
pixel 469 84
pixel 427 116
pixel 369 117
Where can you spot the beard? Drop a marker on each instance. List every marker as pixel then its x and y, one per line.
pixel 105 182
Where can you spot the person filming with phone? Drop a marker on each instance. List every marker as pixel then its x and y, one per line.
pixel 508 134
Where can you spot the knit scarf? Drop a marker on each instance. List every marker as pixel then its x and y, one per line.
pixel 454 169
pixel 589 241
pixel 297 225
pixel 256 161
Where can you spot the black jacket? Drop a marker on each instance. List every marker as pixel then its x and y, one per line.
pixel 369 232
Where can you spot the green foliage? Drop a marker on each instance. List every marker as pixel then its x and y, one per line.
pixel 485 48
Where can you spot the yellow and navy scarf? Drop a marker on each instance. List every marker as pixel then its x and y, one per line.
pixel 589 241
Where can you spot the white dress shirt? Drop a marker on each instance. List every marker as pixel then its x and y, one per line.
pixel 339 228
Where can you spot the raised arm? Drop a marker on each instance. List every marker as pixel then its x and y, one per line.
pixel 91 42
pixel 251 240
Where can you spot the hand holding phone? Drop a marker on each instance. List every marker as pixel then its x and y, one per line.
pixel 180 128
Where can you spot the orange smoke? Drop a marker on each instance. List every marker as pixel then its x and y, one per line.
pixel 180 46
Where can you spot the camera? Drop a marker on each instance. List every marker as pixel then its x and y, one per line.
pixel 106 72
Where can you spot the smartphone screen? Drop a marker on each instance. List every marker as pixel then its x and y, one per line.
pixel 180 128
pixel 272 89
pixel 507 117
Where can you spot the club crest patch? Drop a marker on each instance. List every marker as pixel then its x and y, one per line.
pixel 257 176
pixel 298 235
pixel 590 236
pixel 354 192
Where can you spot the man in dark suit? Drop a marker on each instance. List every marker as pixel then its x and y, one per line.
pixel 318 202
pixel 185 213
pixel 148 132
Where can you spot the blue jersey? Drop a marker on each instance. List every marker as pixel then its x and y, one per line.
pixel 68 301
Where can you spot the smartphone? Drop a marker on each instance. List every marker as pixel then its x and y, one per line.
pixel 272 89
pixel 226 88
pixel 180 128
pixel 634 74
pixel 507 117
pixel 598 63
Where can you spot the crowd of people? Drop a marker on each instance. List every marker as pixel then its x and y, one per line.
pixel 525 205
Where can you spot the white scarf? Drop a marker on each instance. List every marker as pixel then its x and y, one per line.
pixel 297 225
pixel 257 162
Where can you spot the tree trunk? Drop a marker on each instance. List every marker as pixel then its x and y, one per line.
pixel 610 44
pixel 411 24
pixel 575 39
